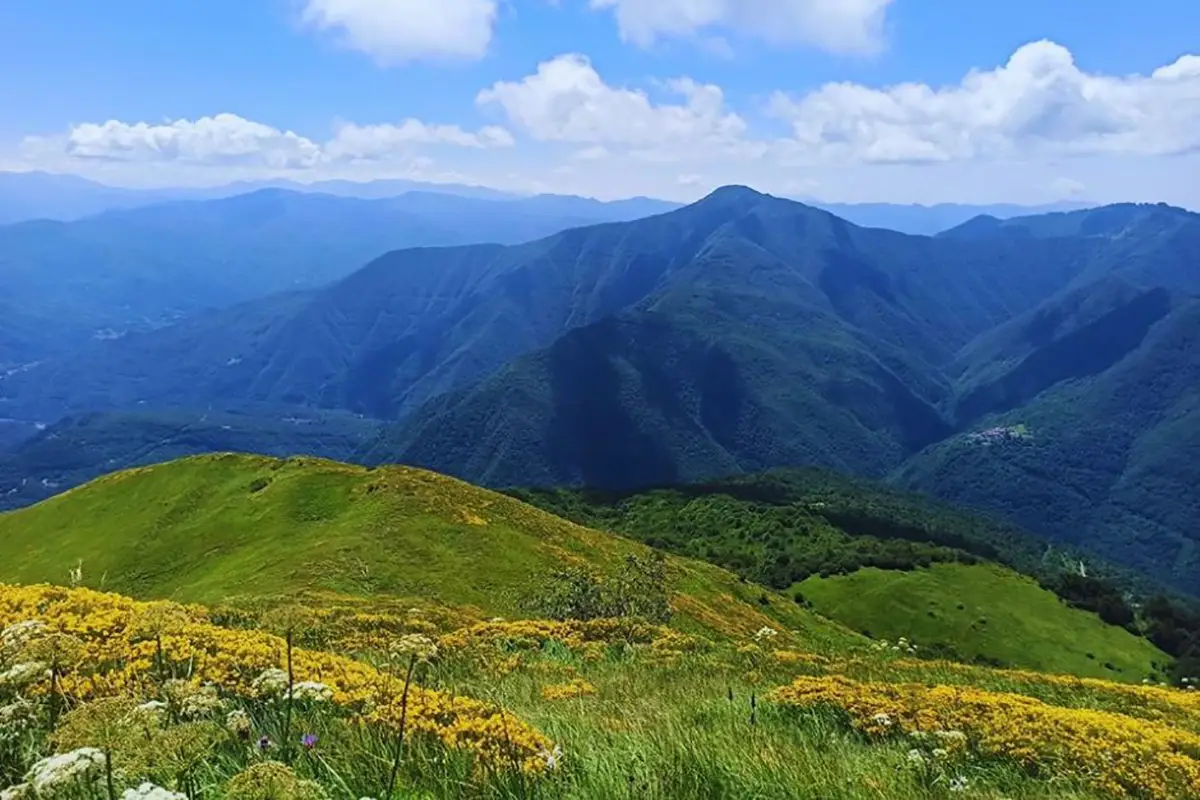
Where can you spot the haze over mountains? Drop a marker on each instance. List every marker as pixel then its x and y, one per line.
pixel 38 195
pixel 737 334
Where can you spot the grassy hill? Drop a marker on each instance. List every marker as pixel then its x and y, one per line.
pixel 883 561
pixel 982 612
pixel 211 528
pixel 39 464
pixel 747 694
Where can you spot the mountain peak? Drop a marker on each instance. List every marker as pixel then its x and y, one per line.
pixel 734 193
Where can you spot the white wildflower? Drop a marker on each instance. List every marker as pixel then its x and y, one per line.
pixel 15 717
pixel 765 633
pixel 552 757
pixel 150 707
pixel 312 692
pixel 959 784
pixel 415 645
pixel 19 676
pixel 940 752
pixel 66 771
pixel 271 683
pixel 75 575
pixel 882 719
pixel 148 791
pixel 22 791
pixel 238 722
pixel 192 701
pixel 916 757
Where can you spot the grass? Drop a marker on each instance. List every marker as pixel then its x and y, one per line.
pixel 667 718
pixel 983 612
pixel 210 528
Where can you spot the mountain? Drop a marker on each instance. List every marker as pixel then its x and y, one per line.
pixel 138 269
pixel 416 323
pixel 930 220
pixel 1109 415
pixel 740 333
pixel 41 195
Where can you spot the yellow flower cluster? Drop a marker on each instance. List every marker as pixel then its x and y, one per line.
pixel 568 691
pixel 1150 702
pixel 791 658
pixel 1117 754
pixel 118 661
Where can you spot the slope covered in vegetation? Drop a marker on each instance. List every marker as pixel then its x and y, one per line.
pixel 210 528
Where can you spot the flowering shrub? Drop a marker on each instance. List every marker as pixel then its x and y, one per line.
pixel 114 659
pixel 1117 754
pixel 567 691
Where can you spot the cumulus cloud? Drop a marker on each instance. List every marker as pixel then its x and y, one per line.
pixel 223 138
pixel 397 31
pixel 840 26
pixel 1040 103
pixel 227 139
pixel 379 141
pixel 566 100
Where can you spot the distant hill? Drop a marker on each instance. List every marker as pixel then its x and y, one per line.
pixel 131 270
pixel 39 195
pixel 930 220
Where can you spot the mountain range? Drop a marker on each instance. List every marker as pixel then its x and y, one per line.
pixel 28 196
pixel 1042 366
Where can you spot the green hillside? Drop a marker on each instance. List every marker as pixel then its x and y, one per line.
pixel 982 613
pixel 1105 461
pixel 211 528
pixel 808 532
pixel 75 450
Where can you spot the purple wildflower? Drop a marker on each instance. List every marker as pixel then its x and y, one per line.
pixel 309 740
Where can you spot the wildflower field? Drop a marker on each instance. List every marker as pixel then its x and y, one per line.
pixel 103 696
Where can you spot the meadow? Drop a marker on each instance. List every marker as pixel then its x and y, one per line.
pixel 334 696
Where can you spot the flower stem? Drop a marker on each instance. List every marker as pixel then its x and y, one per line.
pixel 412 663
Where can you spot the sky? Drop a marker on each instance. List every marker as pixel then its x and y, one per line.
pixel 908 101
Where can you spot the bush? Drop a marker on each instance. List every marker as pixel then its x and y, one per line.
pixel 639 590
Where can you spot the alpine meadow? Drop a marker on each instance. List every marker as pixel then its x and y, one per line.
pixel 599 400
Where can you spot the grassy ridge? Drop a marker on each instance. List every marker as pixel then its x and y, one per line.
pixel 983 612
pixel 209 528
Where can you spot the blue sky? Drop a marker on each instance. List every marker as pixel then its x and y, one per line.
pixel 1019 101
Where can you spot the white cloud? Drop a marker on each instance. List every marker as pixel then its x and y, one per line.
pixel 380 141
pixel 1036 129
pixel 1038 104
pixel 223 138
pixel 840 26
pixel 566 100
pixel 227 139
pixel 397 31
